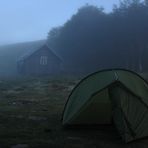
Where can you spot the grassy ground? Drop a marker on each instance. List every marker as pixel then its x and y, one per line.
pixel 30 116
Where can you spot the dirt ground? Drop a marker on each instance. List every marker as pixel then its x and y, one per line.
pixel 30 117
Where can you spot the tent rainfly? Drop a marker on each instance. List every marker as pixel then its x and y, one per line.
pixel 115 95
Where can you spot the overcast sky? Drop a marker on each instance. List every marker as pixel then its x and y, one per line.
pixel 28 20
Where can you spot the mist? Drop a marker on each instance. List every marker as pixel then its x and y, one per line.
pixel 81 37
pixel 73 73
pixel 31 20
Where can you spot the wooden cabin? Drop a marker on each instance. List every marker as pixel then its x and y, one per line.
pixel 40 62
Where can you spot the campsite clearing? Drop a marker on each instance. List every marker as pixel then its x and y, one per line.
pixel 31 112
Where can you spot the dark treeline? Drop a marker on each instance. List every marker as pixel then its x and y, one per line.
pixel 92 39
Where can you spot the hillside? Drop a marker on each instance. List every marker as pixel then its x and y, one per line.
pixel 9 54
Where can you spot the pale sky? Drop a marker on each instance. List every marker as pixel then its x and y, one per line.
pixel 29 20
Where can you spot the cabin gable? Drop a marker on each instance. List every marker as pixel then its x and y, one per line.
pixel 41 62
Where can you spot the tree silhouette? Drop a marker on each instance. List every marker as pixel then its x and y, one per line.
pixel 93 40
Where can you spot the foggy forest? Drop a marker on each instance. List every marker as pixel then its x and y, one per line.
pixel 74 81
pixel 92 39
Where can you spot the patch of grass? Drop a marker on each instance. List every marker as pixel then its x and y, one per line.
pixel 30 111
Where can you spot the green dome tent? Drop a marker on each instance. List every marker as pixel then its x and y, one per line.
pixel 118 95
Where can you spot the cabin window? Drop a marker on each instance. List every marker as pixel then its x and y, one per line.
pixel 43 60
